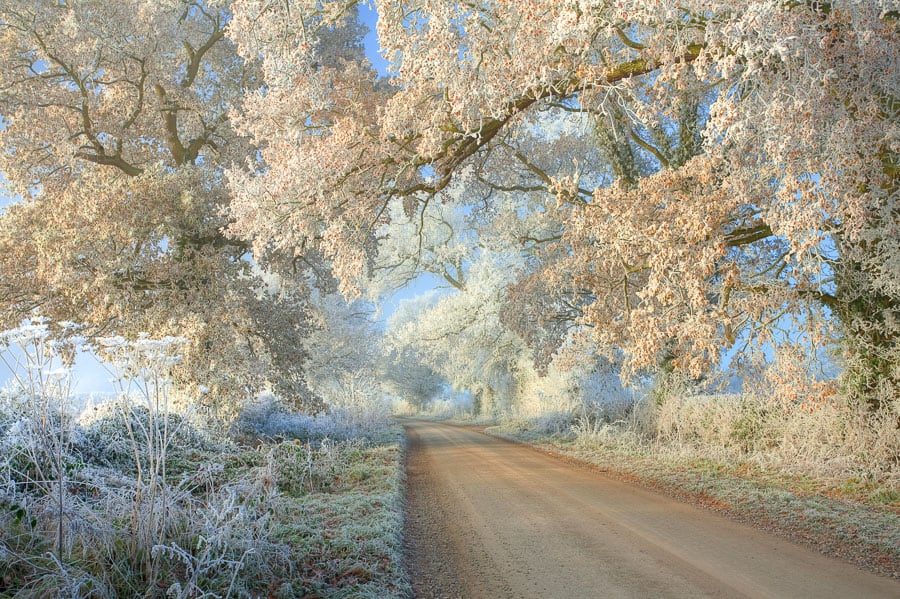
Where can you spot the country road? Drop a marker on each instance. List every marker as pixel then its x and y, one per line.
pixel 493 519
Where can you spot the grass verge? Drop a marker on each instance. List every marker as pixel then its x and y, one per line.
pixel 344 530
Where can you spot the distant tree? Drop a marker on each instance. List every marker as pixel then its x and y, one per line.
pixel 344 343
pixel 407 378
pixel 460 336
pixel 437 238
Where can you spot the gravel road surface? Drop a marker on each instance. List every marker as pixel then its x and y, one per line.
pixel 494 519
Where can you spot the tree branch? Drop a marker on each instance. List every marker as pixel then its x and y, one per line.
pixel 459 148
pixel 170 121
pixel 748 235
pixel 195 57
pixel 115 160
pixel 650 148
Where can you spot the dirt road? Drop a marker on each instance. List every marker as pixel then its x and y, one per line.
pixel 489 518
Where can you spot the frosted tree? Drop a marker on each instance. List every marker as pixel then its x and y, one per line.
pixel 460 336
pixel 405 377
pixel 786 203
pixel 343 346
pixel 117 131
pixel 436 238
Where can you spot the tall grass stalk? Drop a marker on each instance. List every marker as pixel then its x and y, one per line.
pixel 42 380
pixel 141 370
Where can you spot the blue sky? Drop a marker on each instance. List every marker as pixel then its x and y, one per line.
pixel 373 49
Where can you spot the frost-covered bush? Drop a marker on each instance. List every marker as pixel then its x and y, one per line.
pixel 550 419
pixel 358 407
pixel 553 402
pixel 350 413
pixel 104 439
pixel 403 408
pixel 582 418
pixel 266 417
pixel 299 468
pixel 11 402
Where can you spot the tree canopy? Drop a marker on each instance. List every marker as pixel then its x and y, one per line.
pixel 733 166
pixel 678 180
pixel 117 135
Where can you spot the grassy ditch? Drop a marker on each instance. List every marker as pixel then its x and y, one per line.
pixel 342 518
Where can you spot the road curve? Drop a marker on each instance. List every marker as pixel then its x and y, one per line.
pixel 493 519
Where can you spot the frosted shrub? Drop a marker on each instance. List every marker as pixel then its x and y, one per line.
pixel 267 418
pixel 357 407
pixel 702 420
pixel 839 438
pixel 403 408
pixel 600 419
pixel 577 416
pixel 351 411
pixel 105 440
pixel 560 399
pixel 544 411
pixel 834 437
